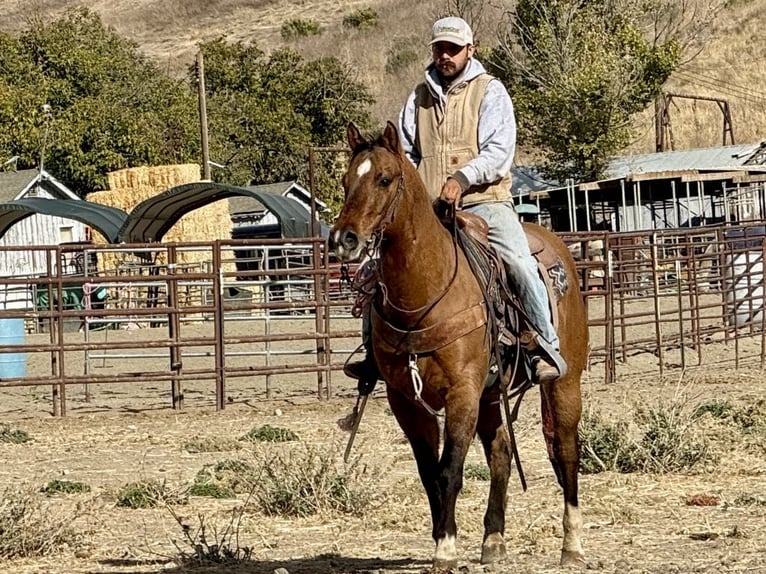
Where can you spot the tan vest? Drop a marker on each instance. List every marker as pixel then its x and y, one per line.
pixel 448 139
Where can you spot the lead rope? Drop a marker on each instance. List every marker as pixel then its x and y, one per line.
pixel 417 385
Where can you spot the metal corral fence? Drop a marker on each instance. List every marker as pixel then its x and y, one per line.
pixel 671 292
pixel 213 314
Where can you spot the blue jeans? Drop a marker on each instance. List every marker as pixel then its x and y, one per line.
pixel 507 237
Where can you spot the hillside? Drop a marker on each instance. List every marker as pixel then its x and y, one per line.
pixel 732 65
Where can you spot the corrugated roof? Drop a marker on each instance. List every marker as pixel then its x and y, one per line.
pixel 526 180
pixel 700 159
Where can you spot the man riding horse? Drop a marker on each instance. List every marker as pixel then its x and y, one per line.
pixel 458 128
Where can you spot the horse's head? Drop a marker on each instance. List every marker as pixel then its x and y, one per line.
pixel 373 185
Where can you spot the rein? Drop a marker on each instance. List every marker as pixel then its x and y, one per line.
pixel 425 309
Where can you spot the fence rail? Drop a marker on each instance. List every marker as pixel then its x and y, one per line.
pixel 241 310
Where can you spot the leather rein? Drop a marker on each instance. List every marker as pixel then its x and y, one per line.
pixel 412 340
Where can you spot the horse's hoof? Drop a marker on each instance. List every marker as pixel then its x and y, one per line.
pixel 444 565
pixel 571 558
pixel 493 549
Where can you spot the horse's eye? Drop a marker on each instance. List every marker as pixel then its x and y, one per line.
pixel 384 182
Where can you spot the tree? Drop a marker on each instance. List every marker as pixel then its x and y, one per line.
pixel 107 107
pixel 266 111
pixel 578 71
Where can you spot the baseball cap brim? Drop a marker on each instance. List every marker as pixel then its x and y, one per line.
pixel 451 38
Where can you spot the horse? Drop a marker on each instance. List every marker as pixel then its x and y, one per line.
pixel 429 298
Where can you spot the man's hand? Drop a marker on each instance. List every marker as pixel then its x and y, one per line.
pixel 451 191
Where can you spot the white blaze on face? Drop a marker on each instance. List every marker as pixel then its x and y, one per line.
pixel 364 167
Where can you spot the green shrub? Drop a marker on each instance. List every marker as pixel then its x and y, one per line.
pixel 476 472
pixel 230 475
pixel 268 433
pixel 211 444
pixel 752 418
pixel 667 440
pixel 147 494
pixel 64 487
pixel 362 19
pixel 400 57
pixel 211 490
pixel 299 28
pixel 12 435
pixel 670 441
pixel 605 445
pixel 716 408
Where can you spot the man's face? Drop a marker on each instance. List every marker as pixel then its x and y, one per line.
pixel 450 59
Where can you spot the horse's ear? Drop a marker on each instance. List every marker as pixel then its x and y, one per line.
pixel 391 138
pixel 355 137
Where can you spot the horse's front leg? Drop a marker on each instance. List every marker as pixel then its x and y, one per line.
pixel 561 410
pixel 497 450
pixel 461 414
pixel 422 432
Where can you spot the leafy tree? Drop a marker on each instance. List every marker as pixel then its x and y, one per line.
pixel 578 71
pixel 265 112
pixel 109 107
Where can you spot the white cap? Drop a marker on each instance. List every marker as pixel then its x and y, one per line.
pixel 453 30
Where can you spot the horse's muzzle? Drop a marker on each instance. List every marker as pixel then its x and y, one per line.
pixel 345 244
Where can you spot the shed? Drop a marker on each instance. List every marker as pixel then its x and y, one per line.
pixel 35 229
pixel 664 190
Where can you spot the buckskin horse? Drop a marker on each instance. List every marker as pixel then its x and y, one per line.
pixel 429 297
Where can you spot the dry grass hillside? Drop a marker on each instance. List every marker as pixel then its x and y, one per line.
pixel 732 65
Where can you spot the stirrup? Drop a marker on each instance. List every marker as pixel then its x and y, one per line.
pixel 365 372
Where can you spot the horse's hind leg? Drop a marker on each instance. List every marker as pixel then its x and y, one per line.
pixel 496 445
pixel 561 410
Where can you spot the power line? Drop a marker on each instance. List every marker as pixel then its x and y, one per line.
pixel 743 95
pixel 717 80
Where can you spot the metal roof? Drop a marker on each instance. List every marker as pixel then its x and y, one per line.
pixel 106 220
pixel 700 159
pixel 526 180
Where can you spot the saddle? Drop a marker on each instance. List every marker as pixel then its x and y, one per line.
pixel 511 327
pixel 548 262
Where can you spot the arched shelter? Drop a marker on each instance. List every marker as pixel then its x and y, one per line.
pixel 104 219
pixel 151 219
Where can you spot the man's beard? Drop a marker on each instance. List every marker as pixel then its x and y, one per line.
pixel 449 74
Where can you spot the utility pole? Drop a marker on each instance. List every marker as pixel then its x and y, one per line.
pixel 47 116
pixel 202 102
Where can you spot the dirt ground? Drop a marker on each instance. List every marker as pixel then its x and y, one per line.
pixel 633 522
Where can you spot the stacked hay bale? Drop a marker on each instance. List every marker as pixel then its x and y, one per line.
pixel 129 187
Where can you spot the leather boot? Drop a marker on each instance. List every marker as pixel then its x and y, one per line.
pixel 365 372
pixel 544 372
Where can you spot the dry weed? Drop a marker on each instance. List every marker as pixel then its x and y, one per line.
pixel 29 527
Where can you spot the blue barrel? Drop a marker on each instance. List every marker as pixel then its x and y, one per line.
pixel 12 365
